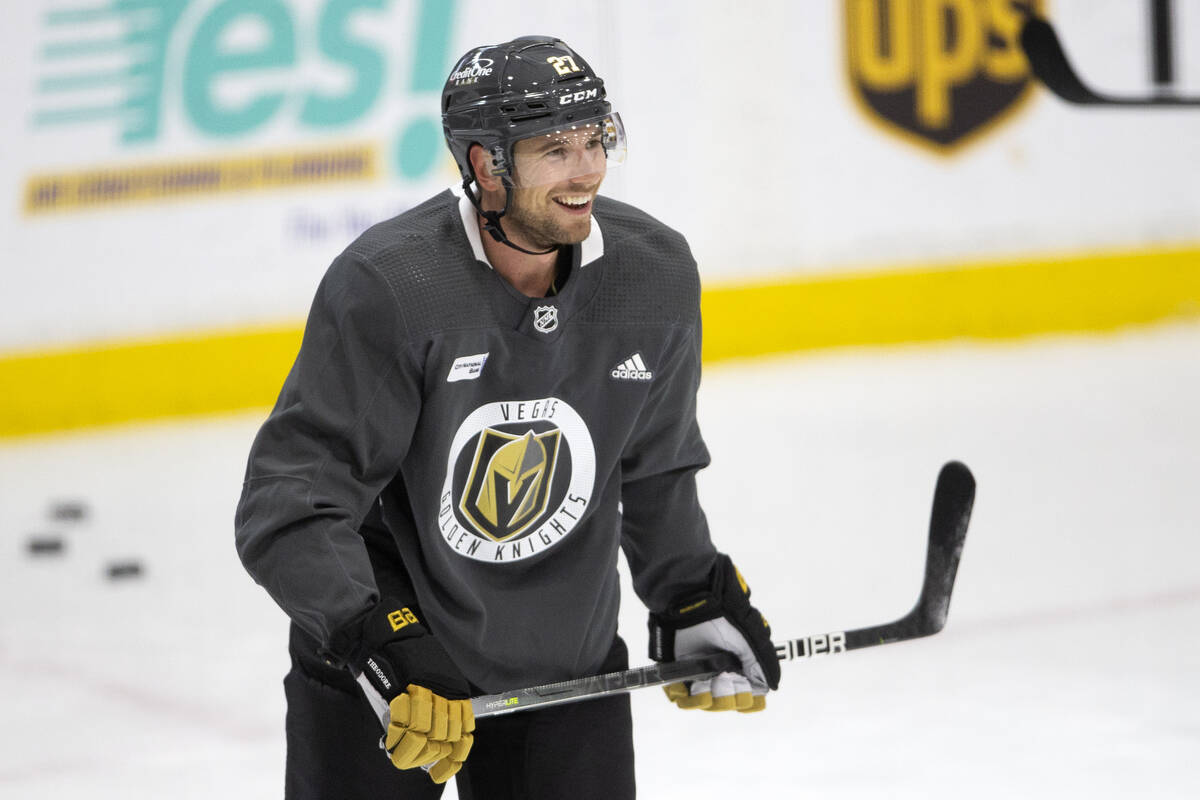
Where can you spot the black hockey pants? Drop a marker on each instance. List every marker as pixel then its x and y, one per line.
pixel 579 751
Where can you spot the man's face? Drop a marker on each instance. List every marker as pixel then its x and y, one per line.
pixel 557 176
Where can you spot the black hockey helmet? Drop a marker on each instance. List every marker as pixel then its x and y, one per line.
pixel 499 94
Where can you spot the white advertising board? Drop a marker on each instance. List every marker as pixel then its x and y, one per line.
pixel 182 165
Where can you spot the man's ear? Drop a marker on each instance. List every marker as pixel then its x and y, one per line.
pixel 481 162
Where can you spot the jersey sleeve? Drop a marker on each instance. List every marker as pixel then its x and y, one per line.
pixel 336 437
pixel 665 534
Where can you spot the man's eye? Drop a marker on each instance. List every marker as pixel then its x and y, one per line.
pixel 557 152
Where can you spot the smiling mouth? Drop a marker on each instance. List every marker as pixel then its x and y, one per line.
pixel 575 203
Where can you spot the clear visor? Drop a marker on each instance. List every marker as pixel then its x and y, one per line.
pixel 579 153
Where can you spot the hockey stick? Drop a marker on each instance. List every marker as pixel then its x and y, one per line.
pixel 593 686
pixel 1050 65
pixel 952 502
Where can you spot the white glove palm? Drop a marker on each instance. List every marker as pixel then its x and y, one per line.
pixel 728 690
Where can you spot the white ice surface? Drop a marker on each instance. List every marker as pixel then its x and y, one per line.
pixel 1070 666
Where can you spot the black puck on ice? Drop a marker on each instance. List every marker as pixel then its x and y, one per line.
pixel 68 510
pixel 120 570
pixel 47 544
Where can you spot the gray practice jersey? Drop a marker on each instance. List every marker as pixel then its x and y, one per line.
pixel 513 444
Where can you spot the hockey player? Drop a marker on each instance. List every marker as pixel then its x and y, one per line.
pixel 495 392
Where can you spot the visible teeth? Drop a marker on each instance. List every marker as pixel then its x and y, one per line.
pixel 574 201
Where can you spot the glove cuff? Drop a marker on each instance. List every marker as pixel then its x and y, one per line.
pixel 391 620
pixel 727 596
pixel 690 610
pixel 383 622
pixel 398 650
pixel 345 643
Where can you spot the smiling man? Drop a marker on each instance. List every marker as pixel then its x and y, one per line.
pixel 496 393
pixel 554 180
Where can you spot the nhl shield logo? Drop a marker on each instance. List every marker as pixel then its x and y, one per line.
pixel 545 318
pixel 937 73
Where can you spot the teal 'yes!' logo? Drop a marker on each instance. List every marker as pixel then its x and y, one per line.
pixel 119 49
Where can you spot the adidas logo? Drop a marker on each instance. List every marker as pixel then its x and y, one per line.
pixel 632 369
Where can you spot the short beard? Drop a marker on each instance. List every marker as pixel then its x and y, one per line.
pixel 543 233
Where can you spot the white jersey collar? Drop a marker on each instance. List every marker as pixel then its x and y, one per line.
pixel 590 248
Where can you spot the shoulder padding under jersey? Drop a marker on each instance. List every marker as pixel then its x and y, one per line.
pixel 650 277
pixel 425 258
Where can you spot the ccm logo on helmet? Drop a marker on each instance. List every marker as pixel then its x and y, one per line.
pixel 578 97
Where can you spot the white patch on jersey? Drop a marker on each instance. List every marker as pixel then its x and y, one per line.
pixel 467 368
pixel 519 478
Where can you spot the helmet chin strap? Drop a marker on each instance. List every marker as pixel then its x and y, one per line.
pixel 492 219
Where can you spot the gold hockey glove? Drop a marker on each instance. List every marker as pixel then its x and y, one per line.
pixel 422 699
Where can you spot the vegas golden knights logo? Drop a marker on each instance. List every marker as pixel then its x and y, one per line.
pixel 509 483
pixel 937 72
pixel 519 480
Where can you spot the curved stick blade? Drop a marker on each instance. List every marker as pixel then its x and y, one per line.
pixel 953 500
pixel 1050 65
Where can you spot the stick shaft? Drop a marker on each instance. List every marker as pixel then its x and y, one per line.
pixel 953 499
pixel 593 686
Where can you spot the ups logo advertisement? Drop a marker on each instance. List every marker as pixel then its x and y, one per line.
pixel 937 72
